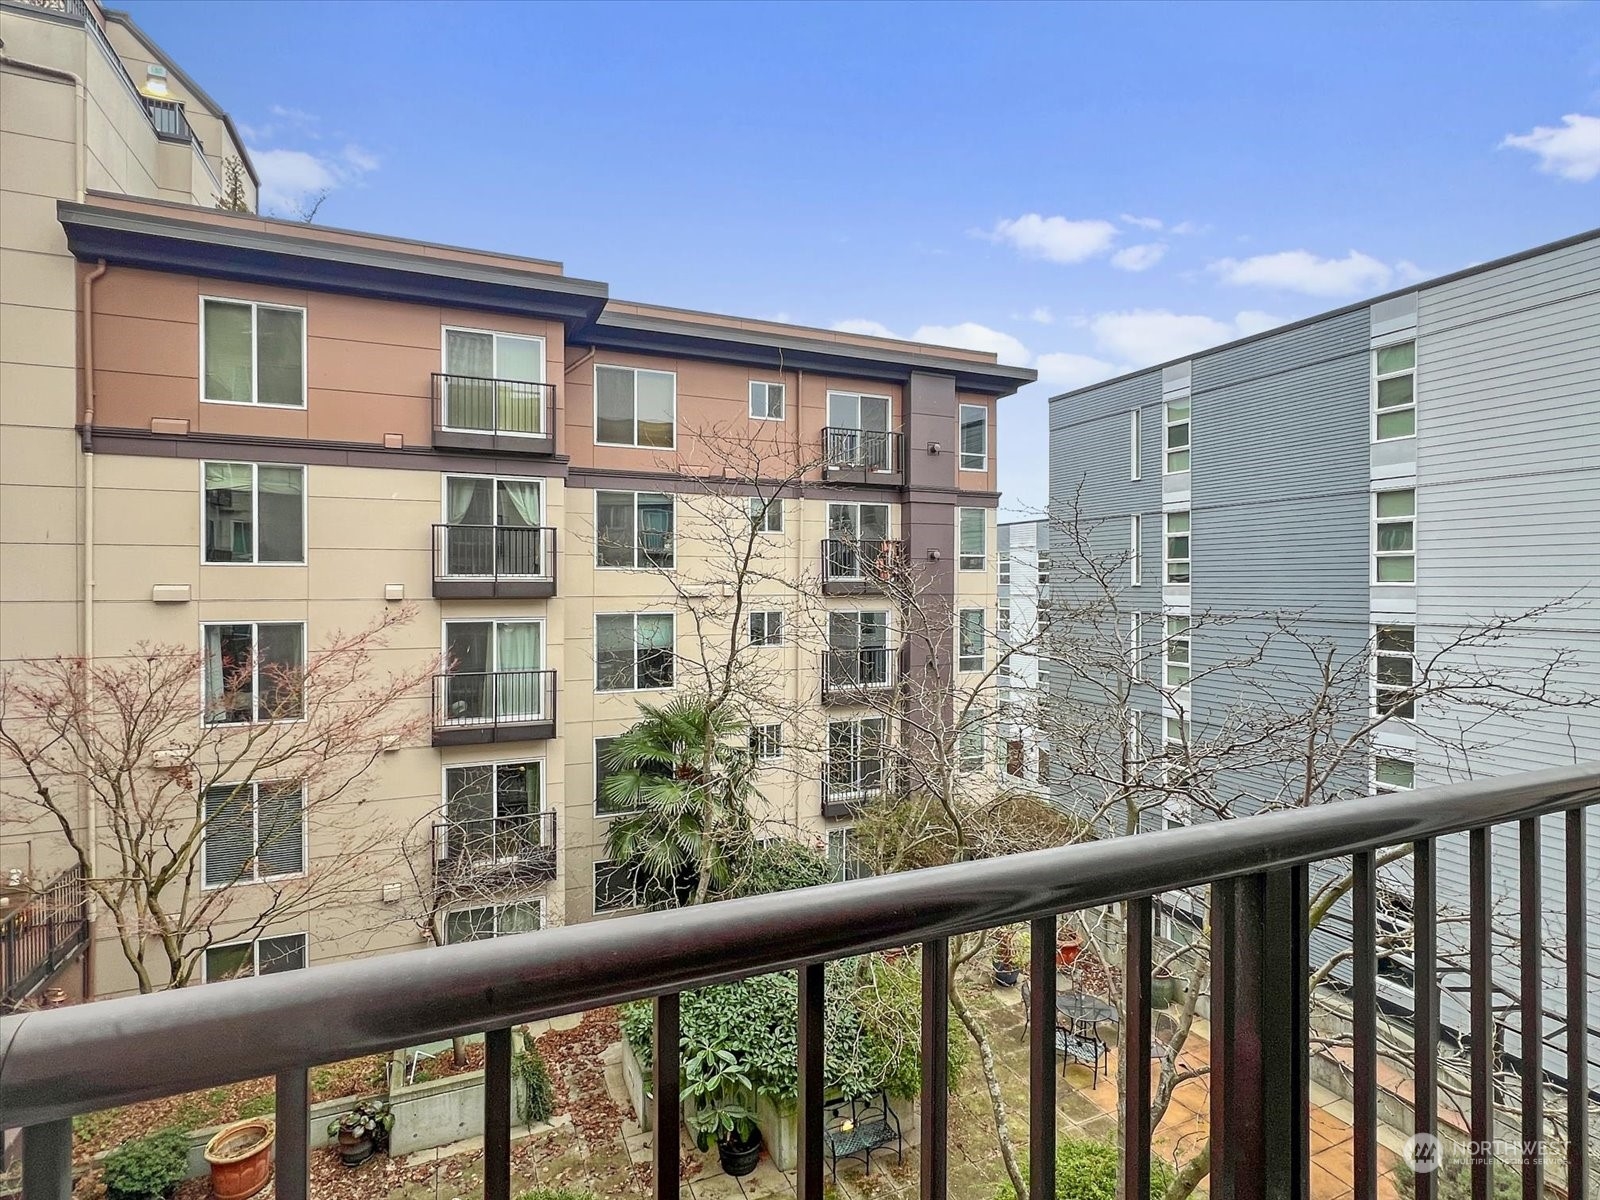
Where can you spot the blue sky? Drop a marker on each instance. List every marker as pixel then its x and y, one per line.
pixel 1085 188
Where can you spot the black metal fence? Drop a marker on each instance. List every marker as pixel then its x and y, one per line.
pixel 502 414
pixel 867 560
pixel 872 451
pixel 850 672
pixel 494 552
pixel 40 936
pixel 56 1064
pixel 463 699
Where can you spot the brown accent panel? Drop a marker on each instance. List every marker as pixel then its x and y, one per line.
pixel 931 419
pixel 930 527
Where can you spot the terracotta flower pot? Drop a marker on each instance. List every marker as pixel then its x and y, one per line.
pixel 1067 948
pixel 241 1158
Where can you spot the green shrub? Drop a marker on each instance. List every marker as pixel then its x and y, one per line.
pixel 781 865
pixel 263 1105
pixel 148 1168
pixel 544 1193
pixel 1086 1169
pixel 1454 1179
pixel 536 1097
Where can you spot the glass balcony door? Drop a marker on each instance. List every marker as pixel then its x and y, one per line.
pixel 494 527
pixel 493 382
pixel 860 426
pixel 493 811
pixel 856 533
pixel 858 649
pixel 495 671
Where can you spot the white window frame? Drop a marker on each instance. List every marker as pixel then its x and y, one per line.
pixel 766 617
pixel 1410 659
pixel 1379 377
pixel 535 814
pixel 961 454
pixel 595 773
pixel 1171 638
pixel 255 953
pixel 761 739
pixel 594 891
pixel 496 335
pixel 1135 458
pixel 1168 425
pixel 1381 788
pixel 970 747
pixel 1176 810
pixel 637 565
pixel 635 614
pixel 255 351
pixel 761 514
pixel 255 672
pixel 1378 523
pixel 255 510
pixel 1135 650
pixel 766 387
pixel 495 481
pixel 1187 534
pixel 496 907
pixel 1004 562
pixel 857 741
pixel 254 875
pixel 965 661
pixel 637 371
pixel 983 522
pixel 1136 550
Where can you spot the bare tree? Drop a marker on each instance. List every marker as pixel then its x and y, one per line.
pixel 137 766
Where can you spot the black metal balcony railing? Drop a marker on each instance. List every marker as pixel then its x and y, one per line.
pixel 41 932
pixel 493 706
pixel 481 561
pixel 850 783
pixel 490 852
pixel 504 416
pixel 863 455
pixel 169 119
pixel 68 1061
pixel 851 674
pixel 853 567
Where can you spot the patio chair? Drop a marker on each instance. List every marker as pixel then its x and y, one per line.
pixel 1087 1051
pixel 856 1128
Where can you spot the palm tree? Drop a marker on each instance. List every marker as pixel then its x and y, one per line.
pixel 683 774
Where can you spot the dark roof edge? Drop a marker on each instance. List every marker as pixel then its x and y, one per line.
pixel 1422 285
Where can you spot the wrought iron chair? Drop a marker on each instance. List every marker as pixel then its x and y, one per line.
pixel 1088 1051
pixel 856 1128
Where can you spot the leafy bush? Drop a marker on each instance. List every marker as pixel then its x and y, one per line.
pixel 370 1119
pixel 1086 1169
pixel 536 1098
pixel 1454 1178
pixel 148 1168
pixel 263 1105
pixel 545 1193
pixel 780 864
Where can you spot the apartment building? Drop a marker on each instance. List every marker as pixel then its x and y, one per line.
pixel 1380 480
pixel 238 435
pixel 1024 581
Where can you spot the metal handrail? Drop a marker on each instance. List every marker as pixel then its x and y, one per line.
pixel 505 407
pixel 871 450
pixel 861 560
pixel 488 698
pixel 62 1062
pixel 468 551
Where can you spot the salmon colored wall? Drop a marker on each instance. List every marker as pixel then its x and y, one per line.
pixel 977 481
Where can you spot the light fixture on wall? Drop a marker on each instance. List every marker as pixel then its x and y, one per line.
pixel 934 554
pixel 933 447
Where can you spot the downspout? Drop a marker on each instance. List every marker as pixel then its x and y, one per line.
pixel 91 823
pixel 80 119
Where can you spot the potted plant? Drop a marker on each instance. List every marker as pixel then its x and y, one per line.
pixel 1005 958
pixel 1068 943
pixel 240 1155
pixel 362 1130
pixel 721 1099
pixel 1163 988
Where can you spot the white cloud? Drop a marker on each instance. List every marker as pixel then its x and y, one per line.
pixel 1041 316
pixel 1065 372
pixel 865 328
pixel 1151 223
pixel 1571 150
pixel 293 179
pixel 1302 271
pixel 1184 228
pixel 1055 239
pixel 1143 336
pixel 969 335
pixel 1139 258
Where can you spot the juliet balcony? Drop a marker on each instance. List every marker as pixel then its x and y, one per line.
pixel 863 456
pixel 494 562
pixel 850 784
pixel 479 855
pixel 472 707
pixel 858 675
pixel 493 416
pixel 863 567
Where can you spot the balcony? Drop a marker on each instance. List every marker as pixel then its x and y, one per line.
pixel 860 568
pixel 87 1058
pixel 869 456
pixel 41 931
pixel 168 118
pixel 849 785
pixel 472 707
pixel 481 562
pixel 485 854
pixel 494 416
pixel 858 676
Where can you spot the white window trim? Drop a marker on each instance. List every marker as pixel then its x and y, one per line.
pixel 764 384
pixel 770 505
pixel 1175 810
pixel 1374 378
pixel 769 758
pixel 255 510
pixel 254 401
pixel 964 763
pixel 446 768
pixel 1167 638
pixel 1378 555
pixel 544 372
pixel 1135 650
pixel 637 566
pixel 1167 561
pixel 255 876
pixel 1377 655
pixel 1383 753
pixel 964 662
pixel 255 671
pixel 1167 423
pixel 496 480
pixel 984 565
pixel 1135 458
pixel 595 414
pixel 255 952
pixel 859 396
pixel 960 425
pixel 635 614
pixel 594 774
pixel 496 907
pixel 765 613
pixel 1136 550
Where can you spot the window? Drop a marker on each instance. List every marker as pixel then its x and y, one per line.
pixel 252 353
pixel 1004 625
pixel 1393 775
pixel 617 886
pixel 974 540
pixel 766 401
pixel 635 407
pixel 264 956
pixel 494 381
pixel 766 742
pixel 766 628
pixel 1135 651
pixel 1395 670
pixel 633 651
pixel 857 434
pixel 855 765
pixel 253 671
pixel 1016 758
pixel 254 513
pixel 970 654
pixel 1177 459
pixel 492 526
pixel 858 649
pixel 969 748
pixel 1135 459
pixel 1175 653
pixel 1394 543
pixel 492 811
pixel 857 540
pixel 494 671
pixel 1177 559
pixel 974 437
pixel 633 530
pixel 842 854
pixel 253 831
pixel 1044 569
pixel 766 515
pixel 1176 773
pixel 1005 567
pixel 1135 550
pixel 604 806
pixel 1394 391
pixel 490 921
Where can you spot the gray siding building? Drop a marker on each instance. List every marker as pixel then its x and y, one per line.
pixel 1377 482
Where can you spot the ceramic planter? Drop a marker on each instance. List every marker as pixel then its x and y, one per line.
pixel 240 1156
